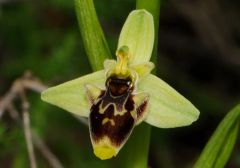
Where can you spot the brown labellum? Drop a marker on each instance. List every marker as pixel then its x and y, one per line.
pixel 114 113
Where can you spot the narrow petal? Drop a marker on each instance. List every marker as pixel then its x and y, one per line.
pixel 167 108
pixel 109 64
pixel 71 95
pixel 143 69
pixel 138 34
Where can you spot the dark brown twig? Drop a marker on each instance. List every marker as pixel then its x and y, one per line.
pixel 27 131
pixel 27 82
pixel 18 89
pixel 38 142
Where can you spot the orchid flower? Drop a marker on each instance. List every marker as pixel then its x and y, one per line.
pixel 124 93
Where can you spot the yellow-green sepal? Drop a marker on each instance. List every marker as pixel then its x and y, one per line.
pixel 138 35
pixel 71 95
pixel 167 107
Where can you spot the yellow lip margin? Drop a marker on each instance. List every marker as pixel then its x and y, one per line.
pixel 105 152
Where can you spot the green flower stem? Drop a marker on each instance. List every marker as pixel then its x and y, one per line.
pixel 93 37
pixel 135 153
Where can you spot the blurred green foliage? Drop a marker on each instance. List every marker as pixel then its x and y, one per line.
pixel 43 37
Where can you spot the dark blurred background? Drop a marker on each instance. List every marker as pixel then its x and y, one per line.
pixel 198 54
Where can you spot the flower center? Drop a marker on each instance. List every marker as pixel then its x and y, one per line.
pixel 121 69
pixel 118 86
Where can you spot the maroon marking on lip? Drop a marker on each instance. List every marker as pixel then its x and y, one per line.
pixel 117 133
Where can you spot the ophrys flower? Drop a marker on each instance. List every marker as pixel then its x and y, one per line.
pixel 125 93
